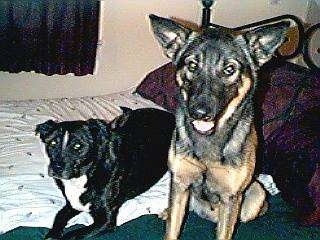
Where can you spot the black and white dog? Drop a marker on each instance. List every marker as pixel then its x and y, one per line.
pixel 99 165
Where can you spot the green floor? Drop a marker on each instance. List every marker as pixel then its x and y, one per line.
pixel 278 223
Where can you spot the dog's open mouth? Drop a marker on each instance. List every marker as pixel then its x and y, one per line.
pixel 203 126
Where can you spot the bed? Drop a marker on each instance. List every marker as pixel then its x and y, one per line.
pixel 29 200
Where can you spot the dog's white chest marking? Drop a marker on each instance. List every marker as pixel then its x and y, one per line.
pixel 73 189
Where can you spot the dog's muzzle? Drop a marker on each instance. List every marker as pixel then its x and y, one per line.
pixel 204 116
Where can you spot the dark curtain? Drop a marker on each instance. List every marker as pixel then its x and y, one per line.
pixel 49 36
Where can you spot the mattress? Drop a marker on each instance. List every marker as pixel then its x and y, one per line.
pixel 28 197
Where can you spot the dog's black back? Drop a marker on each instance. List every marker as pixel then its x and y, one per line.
pixel 145 139
pixel 115 161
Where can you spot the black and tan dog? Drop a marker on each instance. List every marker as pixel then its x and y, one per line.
pixel 213 149
pixel 99 165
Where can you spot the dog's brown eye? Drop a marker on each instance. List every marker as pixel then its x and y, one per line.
pixel 53 143
pixel 192 66
pixel 230 69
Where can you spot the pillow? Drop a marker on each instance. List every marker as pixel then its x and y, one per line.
pixel 293 151
pixel 160 87
pixel 285 90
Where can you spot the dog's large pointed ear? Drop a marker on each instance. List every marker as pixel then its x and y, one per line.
pixel 171 35
pixel 265 40
pixel 45 129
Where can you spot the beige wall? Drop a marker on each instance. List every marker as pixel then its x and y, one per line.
pixel 236 13
pixel 127 53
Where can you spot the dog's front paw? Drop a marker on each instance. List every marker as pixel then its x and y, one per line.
pixel 167 238
pixel 52 236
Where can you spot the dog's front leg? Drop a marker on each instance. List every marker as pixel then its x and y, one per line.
pixel 228 215
pixel 183 164
pixel 185 170
pixel 104 221
pixel 82 232
pixel 60 221
pixel 179 196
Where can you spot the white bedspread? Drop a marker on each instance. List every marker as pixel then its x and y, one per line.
pixel 28 197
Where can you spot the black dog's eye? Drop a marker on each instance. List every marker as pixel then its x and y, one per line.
pixel 192 66
pixel 52 143
pixel 77 146
pixel 230 69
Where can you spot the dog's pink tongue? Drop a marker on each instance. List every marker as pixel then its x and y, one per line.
pixel 203 126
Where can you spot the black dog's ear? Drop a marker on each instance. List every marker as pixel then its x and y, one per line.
pixel 105 142
pixel 126 110
pixel 100 131
pixel 122 119
pixel 45 129
pixel 98 126
pixel 265 40
pixel 171 35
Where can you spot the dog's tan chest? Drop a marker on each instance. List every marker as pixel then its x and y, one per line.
pixel 227 179
pixel 230 179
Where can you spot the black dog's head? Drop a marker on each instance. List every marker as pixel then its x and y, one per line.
pixel 216 68
pixel 73 147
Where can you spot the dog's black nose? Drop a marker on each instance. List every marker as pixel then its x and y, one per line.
pixel 203 107
pixel 201 113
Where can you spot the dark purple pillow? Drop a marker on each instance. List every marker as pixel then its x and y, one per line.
pixel 293 152
pixel 160 87
pixel 285 90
